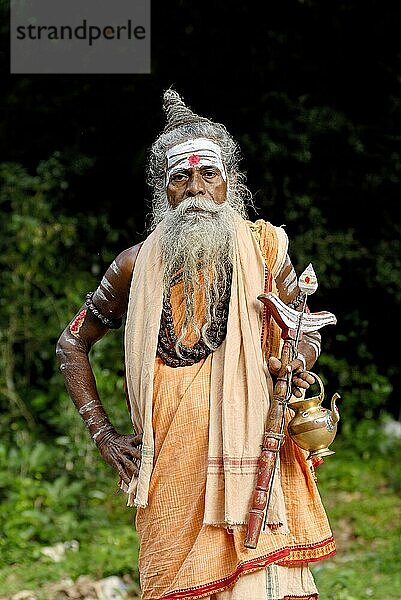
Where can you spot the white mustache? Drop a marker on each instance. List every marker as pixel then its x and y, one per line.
pixel 200 203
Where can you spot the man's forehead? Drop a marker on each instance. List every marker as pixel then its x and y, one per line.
pixel 193 145
pixel 194 153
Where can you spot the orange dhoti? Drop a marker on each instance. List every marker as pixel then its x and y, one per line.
pixel 180 557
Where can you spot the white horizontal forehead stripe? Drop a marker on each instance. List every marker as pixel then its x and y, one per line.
pixel 178 158
pixel 207 153
pixel 194 145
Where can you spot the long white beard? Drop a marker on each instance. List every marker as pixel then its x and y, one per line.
pixel 198 245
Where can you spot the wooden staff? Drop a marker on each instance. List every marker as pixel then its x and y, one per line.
pixel 272 440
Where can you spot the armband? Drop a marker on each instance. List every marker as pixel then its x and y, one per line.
pixel 106 321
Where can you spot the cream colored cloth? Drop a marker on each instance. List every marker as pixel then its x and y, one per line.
pixel 239 398
pixel 240 381
pixel 272 583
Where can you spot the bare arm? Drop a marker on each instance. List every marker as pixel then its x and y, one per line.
pixel 102 311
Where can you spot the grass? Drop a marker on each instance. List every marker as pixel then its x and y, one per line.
pixel 104 550
pixel 360 488
pixel 363 500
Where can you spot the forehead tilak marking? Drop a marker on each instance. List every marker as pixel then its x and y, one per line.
pixel 182 155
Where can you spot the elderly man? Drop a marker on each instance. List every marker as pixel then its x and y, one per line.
pixel 200 360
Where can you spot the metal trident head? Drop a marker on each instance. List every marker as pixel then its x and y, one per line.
pixel 289 318
pixel 307 281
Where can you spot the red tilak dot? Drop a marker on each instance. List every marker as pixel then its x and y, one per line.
pixel 193 160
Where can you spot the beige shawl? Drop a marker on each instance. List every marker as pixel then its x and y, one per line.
pixel 240 381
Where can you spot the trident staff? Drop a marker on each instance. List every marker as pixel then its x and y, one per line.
pixel 293 323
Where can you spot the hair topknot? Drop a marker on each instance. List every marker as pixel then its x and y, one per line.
pixel 177 113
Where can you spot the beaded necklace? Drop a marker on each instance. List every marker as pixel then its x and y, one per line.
pixel 216 333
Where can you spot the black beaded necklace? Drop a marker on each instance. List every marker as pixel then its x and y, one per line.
pixel 190 355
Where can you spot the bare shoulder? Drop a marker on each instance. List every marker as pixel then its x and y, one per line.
pixel 111 297
pixel 125 261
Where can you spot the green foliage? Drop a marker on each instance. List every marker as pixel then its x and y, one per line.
pixel 52 492
pixel 44 273
pixel 360 486
pixel 53 483
pixel 388 255
pixel 364 391
pixel 33 254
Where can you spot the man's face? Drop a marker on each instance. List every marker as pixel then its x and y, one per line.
pixel 206 182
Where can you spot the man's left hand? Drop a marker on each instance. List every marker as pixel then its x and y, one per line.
pixel 301 379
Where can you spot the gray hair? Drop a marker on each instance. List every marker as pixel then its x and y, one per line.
pixel 238 195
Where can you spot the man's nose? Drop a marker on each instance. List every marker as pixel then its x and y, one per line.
pixel 195 185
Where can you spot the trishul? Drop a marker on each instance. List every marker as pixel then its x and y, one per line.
pixel 293 324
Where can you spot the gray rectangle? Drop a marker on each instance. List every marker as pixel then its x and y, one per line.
pixel 80 36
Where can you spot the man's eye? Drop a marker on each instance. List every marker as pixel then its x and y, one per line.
pixel 209 174
pixel 178 177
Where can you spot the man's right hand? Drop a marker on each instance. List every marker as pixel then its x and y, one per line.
pixel 122 452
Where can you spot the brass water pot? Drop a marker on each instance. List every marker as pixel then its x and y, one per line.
pixel 313 427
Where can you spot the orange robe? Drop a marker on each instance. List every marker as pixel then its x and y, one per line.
pixel 180 557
